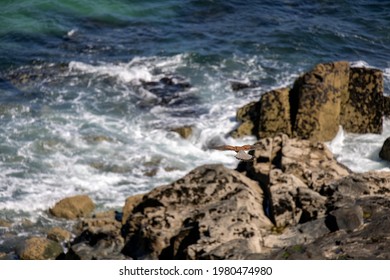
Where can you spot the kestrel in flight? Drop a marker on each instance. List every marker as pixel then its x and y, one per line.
pixel 240 150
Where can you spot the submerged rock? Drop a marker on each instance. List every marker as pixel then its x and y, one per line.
pixel 184 131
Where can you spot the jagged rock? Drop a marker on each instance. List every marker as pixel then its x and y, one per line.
pixel 305 233
pixel 385 150
pixel 73 207
pixel 192 217
pixel 317 97
pixel 370 241
pixel 362 109
pixel 59 234
pixel 39 248
pixel 275 113
pixel 130 203
pixel 292 173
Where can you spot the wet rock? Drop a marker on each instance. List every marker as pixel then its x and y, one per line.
pixel 168 90
pixel 39 248
pixel 185 131
pixel 385 150
pixel 362 109
pixel 193 216
pixel 237 86
pixel 59 235
pixel 73 207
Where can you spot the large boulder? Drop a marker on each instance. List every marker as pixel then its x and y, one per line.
pixel 362 107
pixel 330 95
pixel 204 215
pixel 317 97
pixel 73 207
pixel 39 248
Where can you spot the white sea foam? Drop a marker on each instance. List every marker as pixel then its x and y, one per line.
pixel 90 137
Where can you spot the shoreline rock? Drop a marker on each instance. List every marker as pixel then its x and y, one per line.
pixel 293 197
pixel 73 207
pixel 320 100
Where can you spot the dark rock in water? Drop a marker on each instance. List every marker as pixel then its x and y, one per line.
pixel 167 90
pixel 73 207
pixel 236 86
pixel 385 150
pixel 189 219
pixel 39 248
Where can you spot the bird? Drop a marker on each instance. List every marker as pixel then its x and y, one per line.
pixel 240 150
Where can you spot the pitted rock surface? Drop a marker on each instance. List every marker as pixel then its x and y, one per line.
pixel 194 217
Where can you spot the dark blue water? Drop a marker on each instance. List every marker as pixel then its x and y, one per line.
pixel 89 90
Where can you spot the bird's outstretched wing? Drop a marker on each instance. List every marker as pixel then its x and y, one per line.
pixel 240 150
pixel 234 148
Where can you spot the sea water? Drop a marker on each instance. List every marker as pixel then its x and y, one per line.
pixel 83 109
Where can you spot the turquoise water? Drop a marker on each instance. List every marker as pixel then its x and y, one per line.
pixel 90 90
